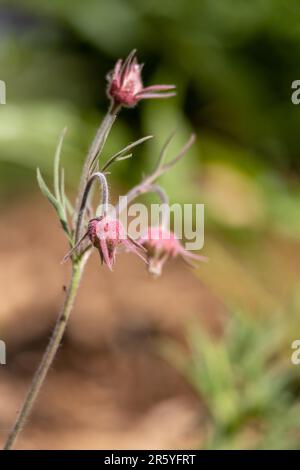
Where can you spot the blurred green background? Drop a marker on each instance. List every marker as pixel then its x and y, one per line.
pixel 233 62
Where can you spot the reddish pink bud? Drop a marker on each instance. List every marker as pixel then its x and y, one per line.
pixel 107 234
pixel 161 245
pixel 125 86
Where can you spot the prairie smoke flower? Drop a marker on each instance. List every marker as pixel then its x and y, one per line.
pixel 107 234
pixel 125 86
pixel 161 245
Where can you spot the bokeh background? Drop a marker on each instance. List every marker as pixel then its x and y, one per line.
pixel 196 359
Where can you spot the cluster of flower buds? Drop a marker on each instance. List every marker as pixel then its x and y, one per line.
pixel 155 247
pixel 107 233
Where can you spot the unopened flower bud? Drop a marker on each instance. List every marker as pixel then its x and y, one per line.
pixel 161 245
pixel 107 234
pixel 125 86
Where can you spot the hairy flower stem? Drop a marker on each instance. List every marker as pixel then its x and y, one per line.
pixel 96 147
pixel 104 201
pixel 49 355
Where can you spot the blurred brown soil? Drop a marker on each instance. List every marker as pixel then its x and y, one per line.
pixel 110 386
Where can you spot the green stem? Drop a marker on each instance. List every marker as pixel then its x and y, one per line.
pixel 77 270
pixel 104 201
pixel 95 149
pixel 49 355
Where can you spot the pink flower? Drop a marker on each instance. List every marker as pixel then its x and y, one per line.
pixel 161 245
pixel 107 234
pixel 125 85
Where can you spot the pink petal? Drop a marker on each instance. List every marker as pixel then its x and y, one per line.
pixel 158 88
pixel 187 256
pixel 117 68
pixel 137 244
pixel 156 265
pixel 145 96
pixel 128 62
pixel 105 254
pixel 131 247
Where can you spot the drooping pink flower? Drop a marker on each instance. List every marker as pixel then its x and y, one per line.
pixel 107 234
pixel 161 245
pixel 125 86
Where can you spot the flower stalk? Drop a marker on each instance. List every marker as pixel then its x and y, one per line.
pixel 104 201
pixel 42 371
pixel 105 233
pixel 95 149
pixel 147 184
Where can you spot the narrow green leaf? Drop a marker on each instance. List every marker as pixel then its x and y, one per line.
pixel 123 153
pixel 62 189
pixel 69 206
pixel 56 166
pixel 119 159
pixel 45 190
pixel 64 199
pixel 55 203
pixel 164 149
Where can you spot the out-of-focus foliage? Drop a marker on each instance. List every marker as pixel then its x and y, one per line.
pixel 246 381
